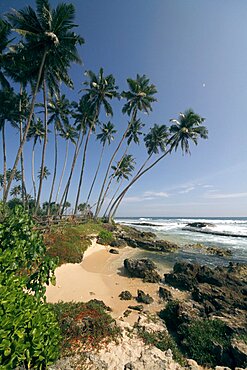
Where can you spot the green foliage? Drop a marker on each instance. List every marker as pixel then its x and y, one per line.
pixel 105 237
pixel 29 332
pixel 163 341
pixel 84 324
pixel 202 337
pixel 23 252
pixel 169 314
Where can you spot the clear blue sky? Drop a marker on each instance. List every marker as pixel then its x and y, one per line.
pixel 195 52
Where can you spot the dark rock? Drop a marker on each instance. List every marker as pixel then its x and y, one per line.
pixel 125 295
pixel 239 352
pixel 199 224
pixel 127 313
pixel 220 252
pixel 165 294
pixel 113 251
pixel 129 366
pixel 143 268
pixel 136 308
pixel 118 243
pixel 144 298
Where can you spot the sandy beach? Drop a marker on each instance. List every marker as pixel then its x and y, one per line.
pixel 100 275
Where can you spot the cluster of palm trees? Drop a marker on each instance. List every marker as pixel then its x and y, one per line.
pixel 37 65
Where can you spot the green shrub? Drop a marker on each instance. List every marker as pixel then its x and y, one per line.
pixel 169 314
pixel 105 237
pixel 201 339
pixel 84 324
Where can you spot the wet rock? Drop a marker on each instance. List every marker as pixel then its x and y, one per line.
pixel 144 298
pixel 165 294
pixel 199 225
pixel 113 251
pixel 118 243
pixel 137 307
pixel 220 252
pixel 125 295
pixel 143 268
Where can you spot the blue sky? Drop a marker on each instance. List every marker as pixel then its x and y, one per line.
pixel 195 52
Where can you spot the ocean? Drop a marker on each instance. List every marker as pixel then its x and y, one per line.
pixel 172 229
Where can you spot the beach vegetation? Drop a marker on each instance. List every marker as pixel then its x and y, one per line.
pixel 84 325
pixel 105 237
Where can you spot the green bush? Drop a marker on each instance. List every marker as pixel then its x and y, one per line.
pixel 105 237
pixel 201 339
pixel 169 314
pixel 29 332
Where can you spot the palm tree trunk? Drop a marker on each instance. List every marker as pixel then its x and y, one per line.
pixel 55 170
pixel 63 170
pixel 44 148
pixel 110 181
pixel 23 186
pixel 4 159
pixel 33 175
pixel 119 186
pixel 140 172
pixel 82 169
pixel 96 174
pixel 66 190
pixel 18 155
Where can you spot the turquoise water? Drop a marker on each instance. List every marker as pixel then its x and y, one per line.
pixel 171 228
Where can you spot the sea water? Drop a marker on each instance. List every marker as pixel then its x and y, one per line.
pixel 172 229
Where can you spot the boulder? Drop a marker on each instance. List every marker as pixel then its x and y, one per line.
pixel 142 268
pixel 125 295
pixel 113 251
pixel 239 352
pixel 137 307
pixel 118 243
pixel 165 294
pixel 144 298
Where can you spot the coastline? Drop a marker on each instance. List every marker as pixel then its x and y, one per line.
pixel 101 276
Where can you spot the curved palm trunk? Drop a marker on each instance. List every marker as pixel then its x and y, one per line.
pixel 4 159
pixel 55 171
pixel 43 150
pixel 140 172
pixel 66 190
pixel 82 170
pixel 63 170
pixel 119 186
pixel 96 174
pixel 18 155
pixel 110 181
pixel 33 176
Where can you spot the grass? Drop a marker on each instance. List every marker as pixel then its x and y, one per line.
pixel 71 241
pixel 84 326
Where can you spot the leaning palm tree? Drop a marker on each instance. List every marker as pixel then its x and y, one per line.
pixel 140 97
pixel 69 134
pixel 105 137
pixel 36 132
pixel 100 90
pixel 50 45
pixel 185 129
pixel 59 109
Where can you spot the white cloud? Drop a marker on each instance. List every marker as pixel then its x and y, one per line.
pixel 187 190
pixel 225 195
pixel 159 194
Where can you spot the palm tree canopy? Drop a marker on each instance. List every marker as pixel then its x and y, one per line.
pixel 59 109
pixel 48 31
pixel 84 114
pixel 156 139
pixel 15 191
pixel 9 106
pixel 100 89
pixel 4 42
pixel 46 173
pixel 134 131
pixel 124 167
pixel 36 131
pixel 69 133
pixel 188 127
pixel 140 95
pixel 107 133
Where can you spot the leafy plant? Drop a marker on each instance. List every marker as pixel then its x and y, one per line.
pixel 105 237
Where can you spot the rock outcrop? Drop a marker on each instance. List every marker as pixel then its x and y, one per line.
pixel 142 268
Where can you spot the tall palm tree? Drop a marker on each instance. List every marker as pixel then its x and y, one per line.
pixel 45 173
pixel 70 134
pixel 105 137
pixel 5 30
pixel 140 97
pixel 59 110
pixel 50 45
pixel 100 90
pixel 188 127
pixel 36 132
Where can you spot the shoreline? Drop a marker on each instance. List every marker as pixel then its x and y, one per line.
pixel 101 276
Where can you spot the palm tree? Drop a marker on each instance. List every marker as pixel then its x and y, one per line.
pixel 187 128
pixel 100 89
pixel 105 136
pixel 69 133
pixel 15 191
pixel 45 173
pixel 140 97
pixel 50 45
pixel 59 109
pixel 4 42
pixel 36 132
